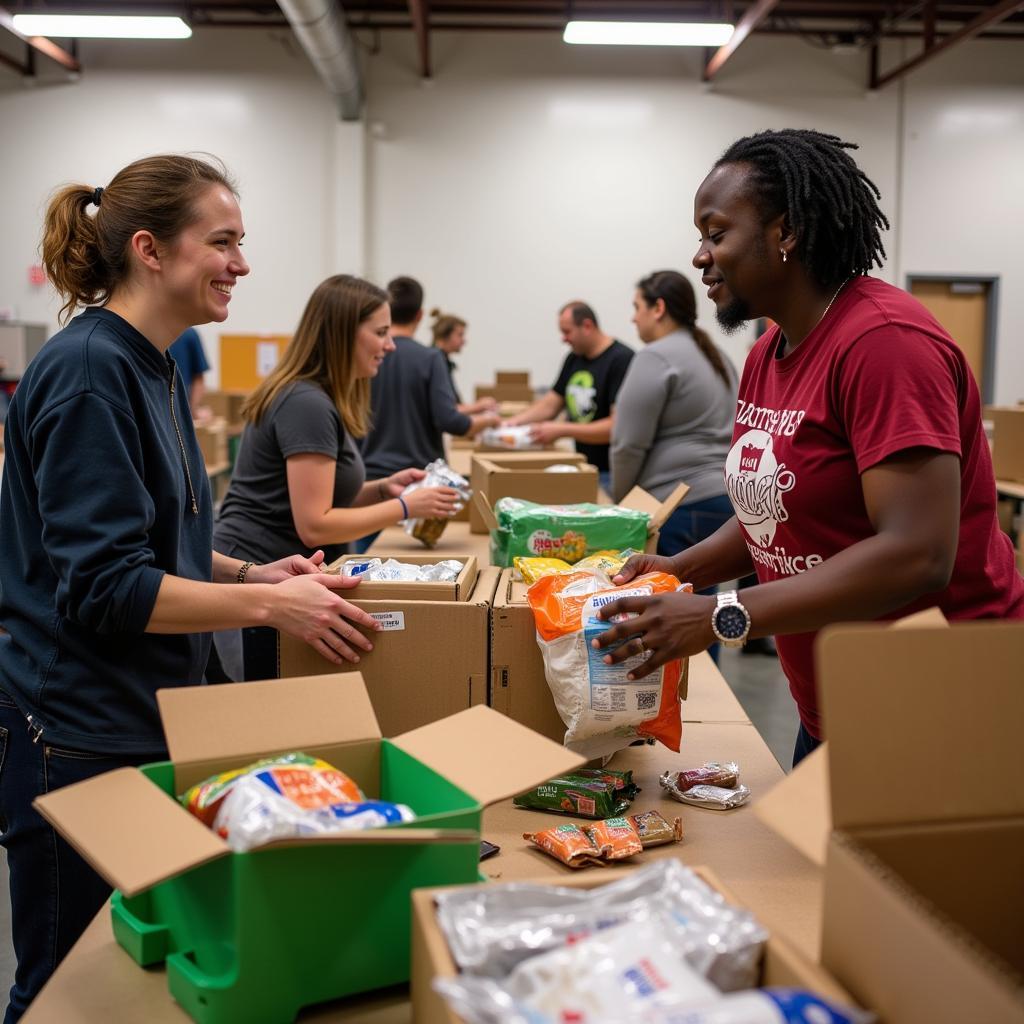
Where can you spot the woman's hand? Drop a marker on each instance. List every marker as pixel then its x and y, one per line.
pixel 392 486
pixel 668 625
pixel 432 503
pixel 286 568
pixel 307 607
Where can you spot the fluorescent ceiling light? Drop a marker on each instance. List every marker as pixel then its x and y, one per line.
pixel 647 33
pixel 101 26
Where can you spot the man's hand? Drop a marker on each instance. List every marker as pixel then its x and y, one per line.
pixel 547 432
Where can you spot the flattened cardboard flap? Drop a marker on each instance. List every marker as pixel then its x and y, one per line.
pixel 923 724
pixel 237 720
pixel 798 807
pixel 486 754
pixel 641 501
pixel 128 830
pixel 485 510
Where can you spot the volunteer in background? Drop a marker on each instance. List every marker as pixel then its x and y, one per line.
pixel 674 414
pixel 586 388
pixel 859 471
pixel 107 524
pixel 450 337
pixel 299 482
pixel 188 354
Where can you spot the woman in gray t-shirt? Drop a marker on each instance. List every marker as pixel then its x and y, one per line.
pixel 299 482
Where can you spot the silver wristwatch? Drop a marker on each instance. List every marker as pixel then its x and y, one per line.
pixel 730 621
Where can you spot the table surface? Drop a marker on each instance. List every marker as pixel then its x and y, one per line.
pixel 99 982
pixel 1010 488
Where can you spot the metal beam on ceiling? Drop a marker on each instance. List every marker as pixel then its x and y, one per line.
pixel 750 21
pixel 991 16
pixel 41 44
pixel 420 15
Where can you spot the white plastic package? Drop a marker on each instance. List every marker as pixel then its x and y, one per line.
pixel 517 439
pixel 438 474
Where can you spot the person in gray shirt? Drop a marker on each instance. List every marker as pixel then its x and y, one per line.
pixel 675 411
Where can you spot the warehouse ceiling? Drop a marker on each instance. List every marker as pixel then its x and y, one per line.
pixel 835 24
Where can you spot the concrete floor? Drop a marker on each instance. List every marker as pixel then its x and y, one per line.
pixel 756 680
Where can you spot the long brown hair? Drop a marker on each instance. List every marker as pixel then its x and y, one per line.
pixel 444 324
pixel 681 304
pixel 86 257
pixel 323 351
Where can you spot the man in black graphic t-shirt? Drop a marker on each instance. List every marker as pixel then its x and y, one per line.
pixel 587 386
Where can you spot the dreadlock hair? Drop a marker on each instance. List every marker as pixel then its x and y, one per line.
pixel 831 204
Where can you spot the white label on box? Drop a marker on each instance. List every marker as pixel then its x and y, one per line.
pixel 266 358
pixel 389 620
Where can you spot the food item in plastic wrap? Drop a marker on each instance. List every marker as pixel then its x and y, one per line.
pixel 562 467
pixel 622 780
pixel 511 438
pixel 358 566
pixel 393 571
pixel 438 474
pixel 441 572
pixel 285 797
pixel 608 562
pixel 614 838
pixel 712 773
pixel 490 929
pixel 482 1001
pixel 532 569
pixel 567 843
pixel 602 708
pixel 569 532
pixel 717 798
pixel 653 829
pixel 577 795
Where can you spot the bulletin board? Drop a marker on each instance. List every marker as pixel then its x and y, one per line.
pixel 245 359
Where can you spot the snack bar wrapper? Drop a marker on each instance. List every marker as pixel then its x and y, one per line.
pixel 438 474
pixel 286 797
pixel 718 798
pixel 579 796
pixel 569 532
pixel 603 709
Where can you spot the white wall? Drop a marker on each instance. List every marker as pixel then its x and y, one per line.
pixel 526 174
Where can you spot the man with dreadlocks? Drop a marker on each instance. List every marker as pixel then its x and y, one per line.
pixel 859 472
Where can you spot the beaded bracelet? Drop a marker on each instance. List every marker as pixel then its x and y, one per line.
pixel 243 570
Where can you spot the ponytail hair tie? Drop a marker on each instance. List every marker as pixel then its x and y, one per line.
pixel 96 194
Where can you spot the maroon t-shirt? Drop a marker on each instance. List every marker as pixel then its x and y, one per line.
pixel 878 375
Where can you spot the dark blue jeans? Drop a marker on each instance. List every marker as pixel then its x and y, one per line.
pixel 54 893
pixel 689 525
pixel 359 546
pixel 805 744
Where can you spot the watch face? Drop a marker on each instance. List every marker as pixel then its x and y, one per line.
pixel 731 622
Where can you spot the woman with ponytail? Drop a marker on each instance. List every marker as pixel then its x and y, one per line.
pixel 110 585
pixel 449 333
pixel 674 413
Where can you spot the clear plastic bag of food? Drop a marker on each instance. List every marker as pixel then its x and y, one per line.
pixel 393 571
pixel 490 929
pixel 438 474
pixel 441 572
pixel 513 439
pixel 357 566
pixel 712 773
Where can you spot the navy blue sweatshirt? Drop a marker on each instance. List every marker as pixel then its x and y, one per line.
pixel 104 491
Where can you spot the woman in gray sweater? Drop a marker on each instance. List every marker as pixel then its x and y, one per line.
pixel 674 412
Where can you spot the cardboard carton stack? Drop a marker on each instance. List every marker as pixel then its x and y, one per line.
pixel 508 386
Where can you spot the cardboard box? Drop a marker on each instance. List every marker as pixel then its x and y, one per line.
pixel 519 378
pixel 524 475
pixel 227 405
pixel 519 687
pixel 782 965
pixel 431 659
pixel 638 499
pixel 1007 442
pixel 213 442
pixel 923 916
pixel 253 937
pixel 508 386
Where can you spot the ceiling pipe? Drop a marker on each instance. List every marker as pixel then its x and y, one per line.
pixel 321 28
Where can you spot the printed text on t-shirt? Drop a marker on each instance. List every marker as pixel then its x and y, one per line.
pixel 775 421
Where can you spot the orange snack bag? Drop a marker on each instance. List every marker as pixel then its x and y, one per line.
pixel 602 708
pixel 567 843
pixel 614 838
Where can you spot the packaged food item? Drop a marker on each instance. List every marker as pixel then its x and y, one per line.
pixel 608 562
pixel 490 929
pixel 614 838
pixel 393 571
pixel 717 798
pixel 286 797
pixel 567 843
pixel 622 780
pixel 569 532
pixel 358 566
pixel 441 572
pixel 438 474
pixel 562 467
pixel 531 569
pixel 712 773
pixel 513 439
pixel 653 829
pixel 602 708
pixel 577 795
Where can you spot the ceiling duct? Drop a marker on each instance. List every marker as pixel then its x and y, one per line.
pixel 324 34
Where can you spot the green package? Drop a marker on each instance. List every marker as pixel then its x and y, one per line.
pixel 569 532
pixel 579 796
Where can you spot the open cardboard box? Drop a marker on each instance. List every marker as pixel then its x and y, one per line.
pixel 226 405
pixel 430 660
pixel 524 475
pixel 508 386
pixel 1007 441
pixel 431 958
pixel 519 687
pixel 409 590
pixel 924 903
pixel 252 937
pixel 637 499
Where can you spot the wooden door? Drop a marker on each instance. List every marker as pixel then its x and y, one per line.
pixel 962 308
